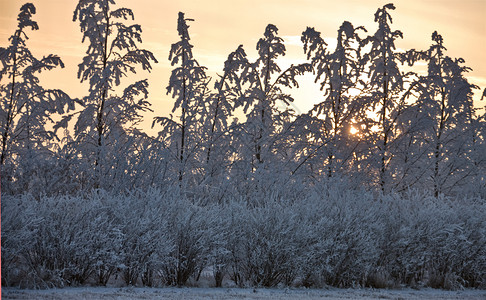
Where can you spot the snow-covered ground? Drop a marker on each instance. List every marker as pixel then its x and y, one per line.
pixel 236 293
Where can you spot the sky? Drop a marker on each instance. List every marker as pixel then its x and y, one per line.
pixel 221 25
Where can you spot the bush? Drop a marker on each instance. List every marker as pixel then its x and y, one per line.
pixel 325 235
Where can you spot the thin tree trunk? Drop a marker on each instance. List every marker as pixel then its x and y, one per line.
pixel 213 126
pixel 262 114
pixel 440 130
pixel 10 112
pixel 183 134
pixel 384 125
pixel 183 116
pixel 438 146
pixel 100 121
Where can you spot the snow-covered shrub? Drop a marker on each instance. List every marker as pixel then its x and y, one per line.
pixel 222 238
pixel 400 241
pixel 19 223
pixel 271 243
pixel 69 239
pixel 348 237
pixel 340 246
pixel 187 234
pixel 432 242
pixel 322 235
pixel 143 233
pixel 227 254
pixel 473 251
pixel 458 245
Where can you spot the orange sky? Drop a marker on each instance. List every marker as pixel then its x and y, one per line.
pixel 221 25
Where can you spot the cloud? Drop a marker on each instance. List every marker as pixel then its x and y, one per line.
pixel 481 81
pixel 331 42
pixel 292 40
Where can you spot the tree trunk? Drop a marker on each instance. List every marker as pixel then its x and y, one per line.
pixel 9 113
pixel 384 125
pixel 183 118
pixel 101 107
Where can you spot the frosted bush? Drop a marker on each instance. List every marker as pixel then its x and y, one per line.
pixel 325 235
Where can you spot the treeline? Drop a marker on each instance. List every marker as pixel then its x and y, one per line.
pixel 376 126
pixel 295 236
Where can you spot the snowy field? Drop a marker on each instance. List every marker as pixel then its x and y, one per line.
pixel 236 293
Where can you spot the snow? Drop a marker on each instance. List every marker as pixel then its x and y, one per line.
pixel 236 293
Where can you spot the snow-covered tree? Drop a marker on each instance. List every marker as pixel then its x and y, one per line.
pixel 476 150
pixel 448 116
pixel 222 102
pixel 113 53
pixel 26 107
pixel 338 72
pixel 263 83
pixel 188 84
pixel 385 89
